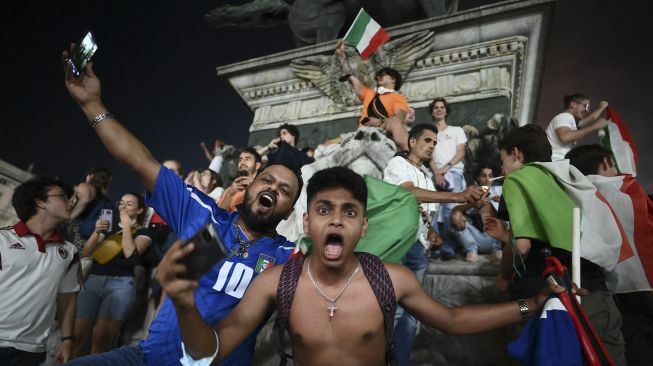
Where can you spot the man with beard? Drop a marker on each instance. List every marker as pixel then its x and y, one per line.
pixel 334 317
pixel 249 162
pixel 250 233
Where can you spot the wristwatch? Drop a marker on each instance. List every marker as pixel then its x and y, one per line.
pixel 523 309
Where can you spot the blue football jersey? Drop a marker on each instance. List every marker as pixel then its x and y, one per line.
pixel 186 210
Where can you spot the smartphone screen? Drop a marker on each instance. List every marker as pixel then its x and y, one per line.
pixel 82 53
pixel 107 214
pixel 208 251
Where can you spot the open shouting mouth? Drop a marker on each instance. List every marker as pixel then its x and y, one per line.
pixel 333 246
pixel 267 200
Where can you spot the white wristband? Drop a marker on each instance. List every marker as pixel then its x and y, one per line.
pixel 188 360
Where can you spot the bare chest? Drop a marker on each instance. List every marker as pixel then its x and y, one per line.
pixel 355 329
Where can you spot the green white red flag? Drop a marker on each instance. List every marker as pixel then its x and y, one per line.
pixel 540 198
pixel 635 211
pixel 366 34
pixel 618 140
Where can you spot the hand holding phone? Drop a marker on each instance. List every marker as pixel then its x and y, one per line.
pixel 208 251
pixel 82 53
pixel 107 215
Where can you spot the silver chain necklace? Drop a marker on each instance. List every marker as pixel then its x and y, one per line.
pixel 331 308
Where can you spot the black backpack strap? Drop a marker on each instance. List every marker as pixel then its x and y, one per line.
pixel 285 294
pixel 376 109
pixel 379 279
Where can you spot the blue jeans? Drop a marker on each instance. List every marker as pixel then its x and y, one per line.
pixel 457 184
pixel 406 324
pixel 473 240
pixel 124 356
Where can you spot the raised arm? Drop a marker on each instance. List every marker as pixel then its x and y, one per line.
pixel 346 70
pixel 124 146
pixel 567 135
pixel 198 337
pixel 594 115
pixel 205 150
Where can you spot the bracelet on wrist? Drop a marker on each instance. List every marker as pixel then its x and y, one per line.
pixel 523 309
pixel 68 338
pixel 99 118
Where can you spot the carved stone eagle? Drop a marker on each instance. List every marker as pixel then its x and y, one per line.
pixel 400 54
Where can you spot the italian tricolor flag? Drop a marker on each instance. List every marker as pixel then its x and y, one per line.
pixel 540 198
pixel 366 34
pixel 618 140
pixel 635 211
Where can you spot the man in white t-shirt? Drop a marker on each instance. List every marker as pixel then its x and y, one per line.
pixel 410 173
pixel 39 274
pixel 573 124
pixel 447 165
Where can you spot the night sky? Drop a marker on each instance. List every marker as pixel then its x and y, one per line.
pixel 157 63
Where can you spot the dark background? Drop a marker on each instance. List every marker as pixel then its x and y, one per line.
pixel 157 63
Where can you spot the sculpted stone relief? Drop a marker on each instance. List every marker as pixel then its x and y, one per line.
pixel 466 73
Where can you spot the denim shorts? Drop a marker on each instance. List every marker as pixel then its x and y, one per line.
pixel 105 297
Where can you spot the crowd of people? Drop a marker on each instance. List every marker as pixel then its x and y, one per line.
pixel 86 267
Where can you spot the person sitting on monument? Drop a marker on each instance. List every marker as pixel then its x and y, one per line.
pixel 383 107
pixel 467 224
pixel 349 328
pixel 284 147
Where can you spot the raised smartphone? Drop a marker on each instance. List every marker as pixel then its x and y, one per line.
pixel 82 53
pixel 107 214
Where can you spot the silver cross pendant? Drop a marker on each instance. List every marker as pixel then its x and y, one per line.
pixel 331 309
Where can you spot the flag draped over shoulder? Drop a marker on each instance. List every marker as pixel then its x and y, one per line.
pixel 540 198
pixel 618 140
pixel 366 34
pixel 393 221
pixel 635 211
pixel 550 339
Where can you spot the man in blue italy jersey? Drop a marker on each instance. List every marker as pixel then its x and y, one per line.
pixel 268 199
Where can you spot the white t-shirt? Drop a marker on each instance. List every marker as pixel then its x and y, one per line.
pixel 558 148
pixel 32 274
pixel 445 150
pixel 399 170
